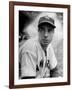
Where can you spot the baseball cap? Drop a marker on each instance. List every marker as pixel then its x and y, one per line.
pixel 46 19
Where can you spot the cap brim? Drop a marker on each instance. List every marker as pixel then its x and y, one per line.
pixel 47 23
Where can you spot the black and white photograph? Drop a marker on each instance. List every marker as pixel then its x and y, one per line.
pixel 41 55
pixel 41 41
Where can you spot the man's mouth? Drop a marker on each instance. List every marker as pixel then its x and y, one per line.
pixel 45 41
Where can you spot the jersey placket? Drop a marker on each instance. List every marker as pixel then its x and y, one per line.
pixel 47 69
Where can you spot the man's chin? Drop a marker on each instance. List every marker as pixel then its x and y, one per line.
pixel 45 44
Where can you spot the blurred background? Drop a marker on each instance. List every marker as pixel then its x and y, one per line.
pixel 28 28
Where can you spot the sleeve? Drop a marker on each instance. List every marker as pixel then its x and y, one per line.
pixel 28 65
pixel 54 72
pixel 53 60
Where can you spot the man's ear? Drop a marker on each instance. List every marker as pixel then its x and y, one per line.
pixel 53 31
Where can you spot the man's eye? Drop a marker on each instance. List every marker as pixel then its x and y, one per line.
pixel 50 30
pixel 42 30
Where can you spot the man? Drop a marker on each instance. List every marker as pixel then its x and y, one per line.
pixel 37 57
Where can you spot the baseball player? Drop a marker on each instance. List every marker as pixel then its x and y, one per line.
pixel 37 56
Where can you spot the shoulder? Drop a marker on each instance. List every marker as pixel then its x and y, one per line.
pixel 52 57
pixel 50 48
pixel 28 46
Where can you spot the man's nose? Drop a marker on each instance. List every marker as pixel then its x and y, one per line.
pixel 46 34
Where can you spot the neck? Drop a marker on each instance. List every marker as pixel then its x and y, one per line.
pixel 44 47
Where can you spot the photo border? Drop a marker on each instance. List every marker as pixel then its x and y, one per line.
pixel 11 43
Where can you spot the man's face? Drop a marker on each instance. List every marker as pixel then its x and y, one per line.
pixel 46 32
